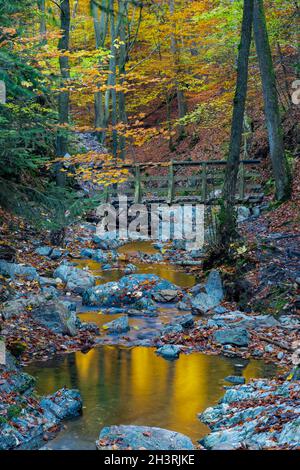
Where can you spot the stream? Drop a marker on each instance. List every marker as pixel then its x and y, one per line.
pixel 132 385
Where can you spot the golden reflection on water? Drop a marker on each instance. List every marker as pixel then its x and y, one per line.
pixel 166 271
pixel 163 270
pixel 135 386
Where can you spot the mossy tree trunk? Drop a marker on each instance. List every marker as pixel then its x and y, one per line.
pixel 181 100
pixel 43 29
pixel 227 228
pixel 100 18
pixel 280 167
pixel 63 97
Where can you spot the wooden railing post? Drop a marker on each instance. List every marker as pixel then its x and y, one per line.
pixel 204 183
pixel 137 185
pixel 242 181
pixel 171 183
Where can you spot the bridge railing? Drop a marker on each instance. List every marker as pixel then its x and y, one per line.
pixel 179 181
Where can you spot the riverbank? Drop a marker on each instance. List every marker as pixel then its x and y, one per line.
pixel 126 304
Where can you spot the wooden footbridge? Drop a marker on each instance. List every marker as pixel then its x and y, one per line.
pixel 186 181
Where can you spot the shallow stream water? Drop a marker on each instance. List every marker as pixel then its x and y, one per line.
pixel 122 385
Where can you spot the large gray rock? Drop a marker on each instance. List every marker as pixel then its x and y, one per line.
pixel 107 241
pixel 142 437
pixel 56 316
pixel 243 213
pixel 44 250
pixel 256 424
pixel 13 269
pixel 15 307
pixel 130 269
pixel 166 295
pixel 135 290
pixel 171 329
pixel 185 321
pixel 213 285
pixel 63 404
pixel 234 336
pixel 169 351
pixel 290 433
pixel 202 303
pixel 118 326
pixel 77 280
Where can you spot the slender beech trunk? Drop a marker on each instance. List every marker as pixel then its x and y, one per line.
pixel 110 102
pixel 181 101
pixel 43 29
pixel 63 97
pixel 280 167
pixel 122 58
pixel 100 15
pixel 228 219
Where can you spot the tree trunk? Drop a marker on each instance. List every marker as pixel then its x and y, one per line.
pixel 63 98
pixel 228 219
pixel 280 167
pixel 110 94
pixel 181 101
pixel 100 27
pixel 122 71
pixel 43 30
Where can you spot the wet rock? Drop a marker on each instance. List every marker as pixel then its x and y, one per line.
pixel 186 321
pixel 107 241
pixel 15 307
pixel 56 316
pixel 197 289
pixel 50 292
pixel 179 244
pixel 48 281
pixel 234 336
pixel 64 404
pixel 118 326
pixel 169 351
pixel 130 269
pixel 56 253
pixel 89 326
pixel 25 419
pixel 136 312
pixel 257 425
pixel 202 303
pixel 159 246
pixel 18 382
pixel 166 295
pixel 256 211
pixel 195 254
pixel 13 269
pixel 213 285
pixel 235 379
pixel 77 280
pixel 142 437
pixel 107 267
pixel 44 250
pixel 243 214
pixel 171 329
pixel 290 433
pixel 220 310
pixel 134 290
